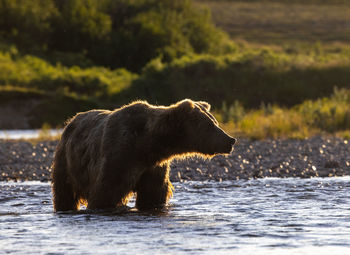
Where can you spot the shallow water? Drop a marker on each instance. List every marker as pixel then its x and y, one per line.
pixel 264 216
pixel 27 133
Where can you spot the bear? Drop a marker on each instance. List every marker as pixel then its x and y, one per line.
pixel 104 157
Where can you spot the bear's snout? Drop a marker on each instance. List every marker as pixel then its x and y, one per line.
pixel 222 143
pixel 233 141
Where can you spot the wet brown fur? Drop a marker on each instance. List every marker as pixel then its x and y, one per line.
pixel 105 156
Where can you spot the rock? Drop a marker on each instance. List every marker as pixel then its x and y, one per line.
pixel 331 164
pixel 317 156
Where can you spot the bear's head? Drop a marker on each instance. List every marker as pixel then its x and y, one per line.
pixel 196 130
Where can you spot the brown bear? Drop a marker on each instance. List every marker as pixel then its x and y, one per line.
pixel 104 156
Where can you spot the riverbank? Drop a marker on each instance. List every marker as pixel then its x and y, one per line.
pixel 314 157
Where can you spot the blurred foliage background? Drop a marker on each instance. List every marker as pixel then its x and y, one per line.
pixel 268 67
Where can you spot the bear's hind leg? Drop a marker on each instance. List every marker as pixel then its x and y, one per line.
pixel 64 198
pixel 154 188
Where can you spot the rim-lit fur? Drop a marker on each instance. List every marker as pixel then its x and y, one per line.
pixel 104 156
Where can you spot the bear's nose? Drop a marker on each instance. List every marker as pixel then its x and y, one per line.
pixel 233 141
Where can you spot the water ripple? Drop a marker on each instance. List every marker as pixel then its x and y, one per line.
pixel 270 216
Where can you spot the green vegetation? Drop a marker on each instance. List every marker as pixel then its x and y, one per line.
pixel 251 77
pixel 285 25
pixel 322 116
pixel 307 2
pixel 111 33
pixel 64 56
pixel 34 73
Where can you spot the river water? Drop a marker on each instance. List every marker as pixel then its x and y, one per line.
pixel 264 216
pixel 27 133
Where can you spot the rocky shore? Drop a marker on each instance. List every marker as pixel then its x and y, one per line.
pixel 314 157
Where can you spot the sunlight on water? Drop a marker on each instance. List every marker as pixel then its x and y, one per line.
pixel 265 216
pixel 26 134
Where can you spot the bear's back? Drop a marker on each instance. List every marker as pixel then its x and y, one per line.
pixel 86 124
pixel 131 117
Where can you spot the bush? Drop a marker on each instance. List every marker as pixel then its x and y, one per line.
pixel 325 115
pixel 55 110
pixel 34 73
pixel 114 33
pixel 143 30
pixel 252 77
pixel 80 26
pixel 328 114
pixel 27 22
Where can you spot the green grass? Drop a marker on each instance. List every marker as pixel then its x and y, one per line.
pixel 305 2
pixel 284 24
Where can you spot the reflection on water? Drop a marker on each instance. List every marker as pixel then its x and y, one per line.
pixel 27 133
pixel 265 216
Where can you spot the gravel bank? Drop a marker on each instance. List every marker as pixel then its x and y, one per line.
pixel 317 156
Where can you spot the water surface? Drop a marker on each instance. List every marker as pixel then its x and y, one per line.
pixel 264 216
pixel 27 133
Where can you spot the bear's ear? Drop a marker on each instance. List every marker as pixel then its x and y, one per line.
pixel 186 105
pixel 174 116
pixel 204 105
pixel 179 112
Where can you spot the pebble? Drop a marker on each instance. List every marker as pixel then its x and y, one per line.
pixel 314 157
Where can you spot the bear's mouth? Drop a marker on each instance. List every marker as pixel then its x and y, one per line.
pixel 227 149
pixel 230 147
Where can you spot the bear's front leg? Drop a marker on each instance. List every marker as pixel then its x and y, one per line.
pixel 154 188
